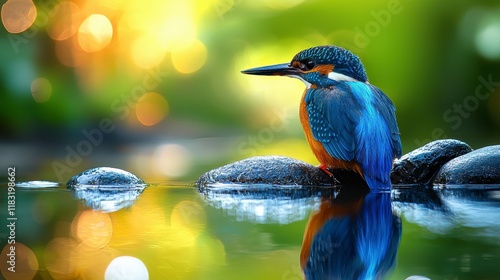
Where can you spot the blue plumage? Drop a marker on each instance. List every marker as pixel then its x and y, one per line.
pixel 330 123
pixel 356 121
pixel 353 121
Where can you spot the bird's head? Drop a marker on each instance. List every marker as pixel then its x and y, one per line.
pixel 323 65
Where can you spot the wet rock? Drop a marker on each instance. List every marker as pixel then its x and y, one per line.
pixel 420 165
pixel 105 176
pixel 481 166
pixel 274 170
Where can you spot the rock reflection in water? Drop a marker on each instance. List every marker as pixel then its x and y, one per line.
pixel 441 211
pixel 266 204
pixel 353 236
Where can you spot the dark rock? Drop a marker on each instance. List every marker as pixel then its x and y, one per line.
pixel 415 168
pixel 274 170
pixel 481 166
pixel 104 176
pixel 420 165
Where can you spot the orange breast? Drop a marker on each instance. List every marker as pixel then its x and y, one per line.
pixel 317 147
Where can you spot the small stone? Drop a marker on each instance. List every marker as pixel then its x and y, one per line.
pixel 37 184
pixel 481 166
pixel 420 165
pixel 417 277
pixel 274 170
pixel 104 176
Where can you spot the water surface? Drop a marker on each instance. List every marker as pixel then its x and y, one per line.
pixel 178 233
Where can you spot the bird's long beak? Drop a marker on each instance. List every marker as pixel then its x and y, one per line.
pixel 283 69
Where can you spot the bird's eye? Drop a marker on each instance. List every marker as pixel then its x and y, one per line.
pixel 304 65
pixel 310 64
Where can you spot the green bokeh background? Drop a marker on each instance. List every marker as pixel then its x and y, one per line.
pixel 426 55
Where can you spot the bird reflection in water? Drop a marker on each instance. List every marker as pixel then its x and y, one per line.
pixel 352 236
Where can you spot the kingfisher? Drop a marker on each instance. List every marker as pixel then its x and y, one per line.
pixel 348 122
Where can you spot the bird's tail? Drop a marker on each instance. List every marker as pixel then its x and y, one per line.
pixel 377 184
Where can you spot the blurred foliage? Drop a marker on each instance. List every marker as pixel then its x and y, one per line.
pixel 82 61
pixel 64 71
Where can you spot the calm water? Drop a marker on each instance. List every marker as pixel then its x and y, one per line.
pixel 175 232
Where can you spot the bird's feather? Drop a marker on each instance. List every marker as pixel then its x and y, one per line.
pixel 388 112
pixel 356 121
pixel 331 124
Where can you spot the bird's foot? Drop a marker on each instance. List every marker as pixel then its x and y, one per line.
pixel 325 169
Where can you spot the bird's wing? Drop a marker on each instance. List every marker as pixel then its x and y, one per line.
pixel 332 117
pixel 388 112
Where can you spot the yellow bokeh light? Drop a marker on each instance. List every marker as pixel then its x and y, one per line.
pixel 24 262
pixel 93 229
pixel 70 54
pixel 275 91
pixel 188 220
pixel 95 33
pixel 64 23
pixel 140 15
pixel 279 92
pixel 189 56
pixel 41 89
pixel 171 160
pixel 152 30
pixel 18 15
pixel 151 108
pixel 175 29
pixel 112 4
pixel 92 261
pixel 188 215
pixel 59 258
pixel 146 52
pixel 144 220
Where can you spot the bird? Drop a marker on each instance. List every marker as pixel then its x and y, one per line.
pixel 349 123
